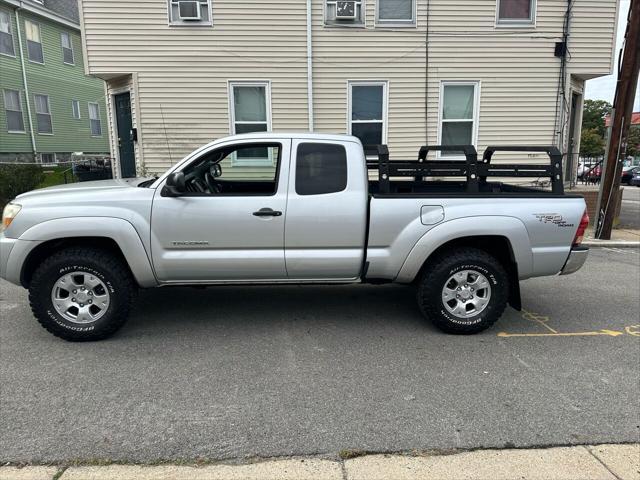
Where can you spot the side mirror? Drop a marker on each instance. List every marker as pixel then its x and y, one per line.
pixel 175 186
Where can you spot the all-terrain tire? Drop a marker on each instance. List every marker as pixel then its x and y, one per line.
pixel 436 276
pixel 106 267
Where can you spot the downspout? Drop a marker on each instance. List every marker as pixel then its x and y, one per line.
pixel 309 67
pixel 24 81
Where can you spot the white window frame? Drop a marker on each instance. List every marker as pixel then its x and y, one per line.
pixel 4 99
pixel 475 119
pixel 10 33
pixel 99 119
pixel 73 54
pixel 190 23
pixel 385 104
pixel 73 109
pixel 27 40
pixel 515 23
pixel 35 104
pixel 266 84
pixel 361 23
pixel 396 22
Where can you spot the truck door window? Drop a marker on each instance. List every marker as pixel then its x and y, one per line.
pixel 219 172
pixel 320 168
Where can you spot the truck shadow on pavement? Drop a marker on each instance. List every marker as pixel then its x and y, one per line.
pixel 232 307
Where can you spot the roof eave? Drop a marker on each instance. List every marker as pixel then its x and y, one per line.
pixel 42 12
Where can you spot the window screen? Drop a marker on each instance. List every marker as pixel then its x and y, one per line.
pixel 395 10
pixel 515 10
pixel 320 168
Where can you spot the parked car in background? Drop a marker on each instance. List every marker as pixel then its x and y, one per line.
pixel 635 180
pixel 628 173
pixel 592 173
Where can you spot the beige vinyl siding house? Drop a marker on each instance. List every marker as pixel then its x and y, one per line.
pixel 405 72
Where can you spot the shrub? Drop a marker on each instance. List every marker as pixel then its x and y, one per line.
pixel 16 179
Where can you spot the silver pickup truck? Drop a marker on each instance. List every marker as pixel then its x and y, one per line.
pixel 269 208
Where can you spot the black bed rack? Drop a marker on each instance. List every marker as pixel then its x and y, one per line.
pixel 475 171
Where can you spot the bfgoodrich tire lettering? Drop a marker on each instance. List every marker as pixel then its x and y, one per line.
pixel 114 278
pixel 462 262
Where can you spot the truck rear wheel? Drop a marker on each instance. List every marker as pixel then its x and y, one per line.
pixel 463 292
pixel 81 294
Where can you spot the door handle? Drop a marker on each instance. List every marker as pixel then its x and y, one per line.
pixel 267 212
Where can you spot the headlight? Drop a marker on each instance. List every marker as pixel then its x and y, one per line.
pixel 9 213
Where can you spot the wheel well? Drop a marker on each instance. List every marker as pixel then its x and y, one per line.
pixel 48 248
pixel 496 245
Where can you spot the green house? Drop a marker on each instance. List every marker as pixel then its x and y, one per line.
pixel 49 108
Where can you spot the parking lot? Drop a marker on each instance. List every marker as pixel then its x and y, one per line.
pixel 237 372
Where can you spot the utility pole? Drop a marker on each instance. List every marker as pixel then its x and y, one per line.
pixel 620 120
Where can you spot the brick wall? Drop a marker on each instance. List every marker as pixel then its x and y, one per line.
pixel 591 198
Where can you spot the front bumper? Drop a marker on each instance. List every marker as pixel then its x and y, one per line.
pixel 575 261
pixel 6 245
pixel 13 253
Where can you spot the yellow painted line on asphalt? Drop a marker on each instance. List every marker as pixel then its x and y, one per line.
pixel 542 320
pixel 539 319
pixel 633 330
pixel 610 333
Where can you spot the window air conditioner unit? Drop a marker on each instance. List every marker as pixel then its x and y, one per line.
pixel 189 10
pixel 345 10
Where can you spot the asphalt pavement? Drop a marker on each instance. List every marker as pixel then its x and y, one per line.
pixel 630 211
pixel 239 372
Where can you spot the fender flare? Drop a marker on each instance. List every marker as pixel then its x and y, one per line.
pixel 120 231
pixel 510 227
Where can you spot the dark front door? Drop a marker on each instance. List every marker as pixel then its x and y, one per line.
pixel 126 152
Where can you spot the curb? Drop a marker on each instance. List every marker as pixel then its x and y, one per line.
pixel 595 462
pixel 611 243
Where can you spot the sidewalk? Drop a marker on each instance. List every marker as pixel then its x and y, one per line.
pixel 620 237
pixel 599 462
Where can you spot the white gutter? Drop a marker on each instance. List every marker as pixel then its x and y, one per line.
pixel 309 67
pixel 26 86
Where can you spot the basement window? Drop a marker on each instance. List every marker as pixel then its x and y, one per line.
pixel 189 13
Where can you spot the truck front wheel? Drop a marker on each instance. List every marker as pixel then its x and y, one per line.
pixel 464 291
pixel 81 294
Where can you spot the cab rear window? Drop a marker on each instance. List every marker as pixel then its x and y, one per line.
pixel 320 168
